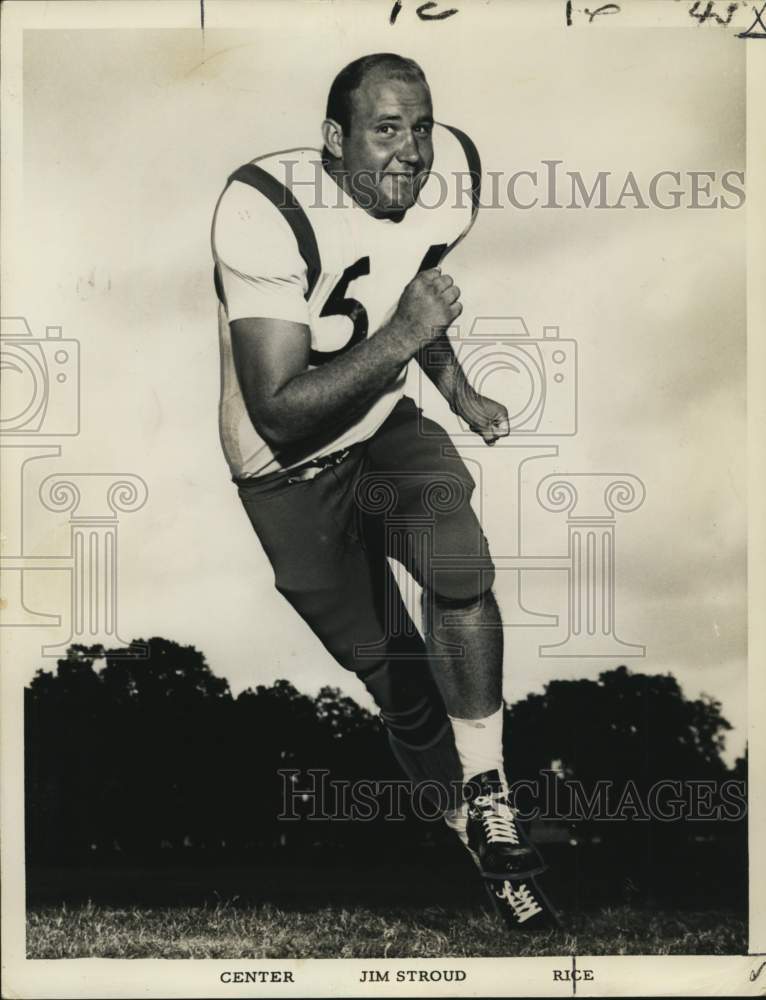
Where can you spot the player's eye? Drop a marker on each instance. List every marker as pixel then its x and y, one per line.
pixel 385 129
pixel 423 129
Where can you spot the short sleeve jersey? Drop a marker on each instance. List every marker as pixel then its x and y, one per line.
pixel 290 244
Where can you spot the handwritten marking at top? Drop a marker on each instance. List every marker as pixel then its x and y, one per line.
pixel 607 8
pixel 434 17
pixel 709 13
pixel 422 12
pixel 751 32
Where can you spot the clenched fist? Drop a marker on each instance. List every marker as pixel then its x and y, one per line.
pixel 428 304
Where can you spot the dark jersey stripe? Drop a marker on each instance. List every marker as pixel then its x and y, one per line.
pixel 433 257
pixel 474 170
pixel 284 200
pixel 474 164
pixel 436 254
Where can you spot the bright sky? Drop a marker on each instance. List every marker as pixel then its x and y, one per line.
pixel 128 140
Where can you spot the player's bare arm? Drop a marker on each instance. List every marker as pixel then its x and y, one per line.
pixel 485 416
pixel 289 402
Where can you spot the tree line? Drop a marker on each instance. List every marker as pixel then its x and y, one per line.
pixel 130 756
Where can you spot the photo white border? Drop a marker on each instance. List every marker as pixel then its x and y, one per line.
pixel 613 975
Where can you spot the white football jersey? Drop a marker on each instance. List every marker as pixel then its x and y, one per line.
pixel 290 244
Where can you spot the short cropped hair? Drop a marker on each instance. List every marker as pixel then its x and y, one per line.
pixel 352 76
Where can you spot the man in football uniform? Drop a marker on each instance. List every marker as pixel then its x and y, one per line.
pixel 326 267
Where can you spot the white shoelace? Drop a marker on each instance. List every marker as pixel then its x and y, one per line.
pixel 522 901
pixel 497 819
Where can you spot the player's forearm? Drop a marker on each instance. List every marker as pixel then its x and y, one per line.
pixel 439 362
pixel 333 395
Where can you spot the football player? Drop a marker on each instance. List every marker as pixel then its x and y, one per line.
pixel 327 270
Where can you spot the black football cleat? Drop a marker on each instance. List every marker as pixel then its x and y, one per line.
pixel 522 905
pixel 494 834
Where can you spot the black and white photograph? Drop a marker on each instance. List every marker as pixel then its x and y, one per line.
pixel 382 503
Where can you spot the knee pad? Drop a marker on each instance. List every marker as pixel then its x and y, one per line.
pixel 459 587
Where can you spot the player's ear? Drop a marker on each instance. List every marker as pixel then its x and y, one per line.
pixel 332 133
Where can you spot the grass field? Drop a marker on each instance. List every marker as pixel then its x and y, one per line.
pixel 328 904
pixel 230 930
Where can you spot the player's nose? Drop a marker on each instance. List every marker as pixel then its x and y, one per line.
pixel 408 151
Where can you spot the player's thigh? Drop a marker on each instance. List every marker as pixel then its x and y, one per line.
pixel 431 525
pixel 338 579
pixel 309 532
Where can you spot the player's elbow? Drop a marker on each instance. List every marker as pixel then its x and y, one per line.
pixel 278 439
pixel 274 431
pixel 273 424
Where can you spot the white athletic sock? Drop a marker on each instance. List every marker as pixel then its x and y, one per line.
pixel 479 744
